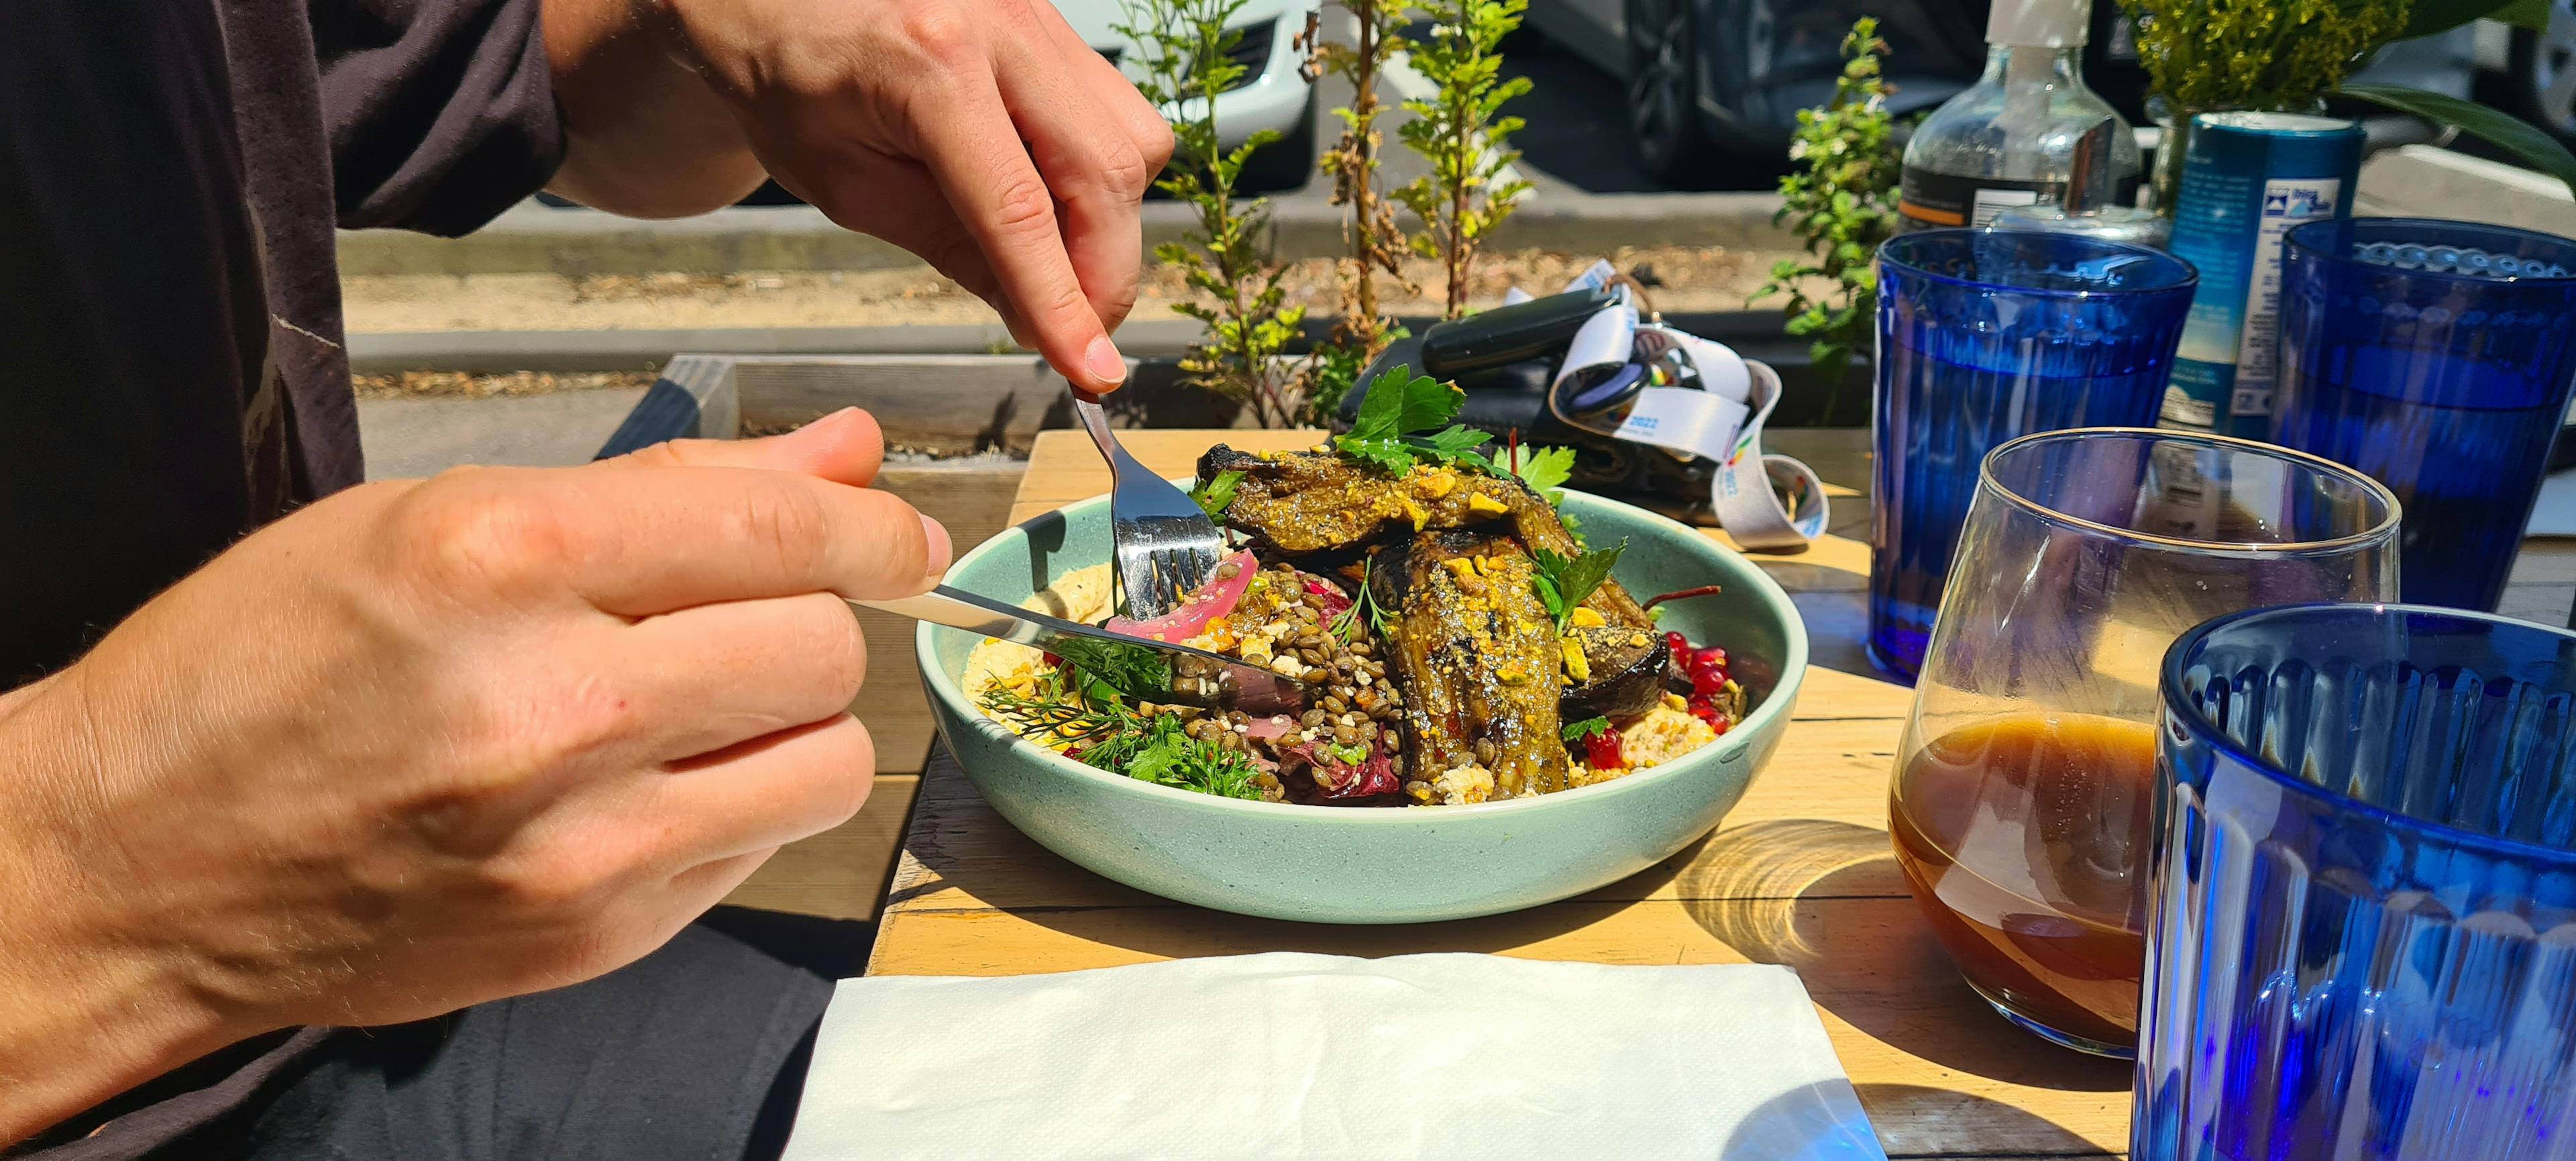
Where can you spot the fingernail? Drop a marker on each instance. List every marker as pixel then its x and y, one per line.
pixel 1103 362
pixel 940 550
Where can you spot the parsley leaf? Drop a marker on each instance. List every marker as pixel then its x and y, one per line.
pixel 1166 756
pixel 1564 581
pixel 1586 728
pixel 1545 470
pixel 1212 496
pixel 1400 425
pixel 1111 670
pixel 1401 403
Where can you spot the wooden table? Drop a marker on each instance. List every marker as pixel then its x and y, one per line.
pixel 1799 873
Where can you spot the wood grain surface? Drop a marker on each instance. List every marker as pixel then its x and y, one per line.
pixel 1800 873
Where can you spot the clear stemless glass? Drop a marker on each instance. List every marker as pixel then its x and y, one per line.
pixel 2364 939
pixel 2021 800
pixel 1984 335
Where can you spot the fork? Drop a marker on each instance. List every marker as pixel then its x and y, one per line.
pixel 1164 545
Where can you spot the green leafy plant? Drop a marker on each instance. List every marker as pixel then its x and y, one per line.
pixel 2207 55
pixel 1400 425
pixel 1375 244
pixel 1578 731
pixel 1460 130
pixel 1564 581
pixel 1249 322
pixel 1842 203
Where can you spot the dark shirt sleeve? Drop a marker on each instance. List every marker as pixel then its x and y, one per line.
pixel 441 113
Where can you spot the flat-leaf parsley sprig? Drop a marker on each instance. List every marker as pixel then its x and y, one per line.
pixel 1401 424
pixel 1564 581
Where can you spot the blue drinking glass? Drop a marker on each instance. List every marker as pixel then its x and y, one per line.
pixel 1985 336
pixel 2435 357
pixel 2364 938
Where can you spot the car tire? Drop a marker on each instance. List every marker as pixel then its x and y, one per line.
pixel 1663 93
pixel 1285 164
pixel 2541 68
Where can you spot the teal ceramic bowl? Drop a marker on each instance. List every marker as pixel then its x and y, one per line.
pixel 1380 865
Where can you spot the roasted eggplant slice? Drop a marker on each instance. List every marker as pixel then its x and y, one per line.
pixel 1480 665
pixel 1317 501
pixel 1625 673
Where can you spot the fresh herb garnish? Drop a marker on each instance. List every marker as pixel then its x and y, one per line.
pixel 1213 496
pixel 1346 624
pixel 1586 728
pixel 1545 470
pixel 1161 753
pixel 1400 425
pixel 1135 672
pixel 1564 581
pixel 1105 733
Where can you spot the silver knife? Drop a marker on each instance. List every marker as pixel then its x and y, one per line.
pixel 1205 678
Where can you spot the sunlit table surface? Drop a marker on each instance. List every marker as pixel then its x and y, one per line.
pixel 1799 873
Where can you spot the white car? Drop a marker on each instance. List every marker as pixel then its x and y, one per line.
pixel 1272 94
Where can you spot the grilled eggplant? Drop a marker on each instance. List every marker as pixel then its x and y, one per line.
pixel 1319 501
pixel 1625 673
pixel 1479 661
pixel 1316 501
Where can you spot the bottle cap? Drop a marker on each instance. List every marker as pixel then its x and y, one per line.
pixel 2040 23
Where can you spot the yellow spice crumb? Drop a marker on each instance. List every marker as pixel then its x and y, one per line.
pixel 1481 502
pixel 1414 512
pixel 1584 618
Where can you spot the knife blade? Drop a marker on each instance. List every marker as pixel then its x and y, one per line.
pixel 1213 678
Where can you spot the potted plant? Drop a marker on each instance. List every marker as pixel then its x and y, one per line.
pixel 2205 56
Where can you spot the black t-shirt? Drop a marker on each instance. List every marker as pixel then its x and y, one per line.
pixel 172 371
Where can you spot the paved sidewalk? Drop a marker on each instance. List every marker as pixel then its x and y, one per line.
pixel 417 437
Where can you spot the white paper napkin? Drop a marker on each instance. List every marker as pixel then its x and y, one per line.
pixel 1288 1055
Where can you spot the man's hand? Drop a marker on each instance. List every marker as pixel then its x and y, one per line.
pixel 425 744
pixel 983 135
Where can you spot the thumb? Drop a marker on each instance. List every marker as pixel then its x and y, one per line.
pixel 845 447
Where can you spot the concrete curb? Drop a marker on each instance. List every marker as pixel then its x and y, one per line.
pixel 486 352
pixel 537 239
pixel 1755 333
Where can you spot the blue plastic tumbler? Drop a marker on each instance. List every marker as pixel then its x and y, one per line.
pixel 2363 943
pixel 2435 357
pixel 1986 336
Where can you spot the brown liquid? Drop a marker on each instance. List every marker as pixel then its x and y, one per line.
pixel 2026 839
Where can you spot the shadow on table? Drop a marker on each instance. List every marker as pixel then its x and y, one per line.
pixel 1825 898
pixel 1838 633
pixel 1916 1121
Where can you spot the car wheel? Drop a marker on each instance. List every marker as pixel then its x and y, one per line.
pixel 2542 67
pixel 1284 164
pixel 1663 92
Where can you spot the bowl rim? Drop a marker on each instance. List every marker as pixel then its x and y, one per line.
pixel 1779 704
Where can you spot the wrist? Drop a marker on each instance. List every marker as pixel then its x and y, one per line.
pixel 90 1011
